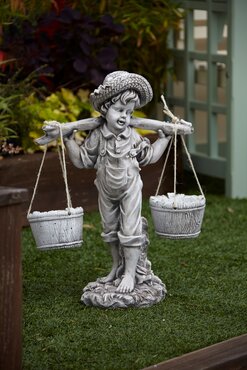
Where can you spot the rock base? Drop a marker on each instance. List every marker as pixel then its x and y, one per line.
pixel 105 295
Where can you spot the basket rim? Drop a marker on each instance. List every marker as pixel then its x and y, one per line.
pixel 50 215
pixel 173 209
pixel 178 236
pixel 74 244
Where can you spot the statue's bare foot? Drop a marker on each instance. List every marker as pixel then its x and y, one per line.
pixel 110 277
pixel 127 284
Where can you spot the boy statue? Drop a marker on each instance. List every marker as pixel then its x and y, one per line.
pixel 117 151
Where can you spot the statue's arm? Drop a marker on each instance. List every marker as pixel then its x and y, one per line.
pixel 52 131
pixel 168 128
pixel 159 146
pixel 73 150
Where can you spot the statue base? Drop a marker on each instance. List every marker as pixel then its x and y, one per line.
pixel 105 295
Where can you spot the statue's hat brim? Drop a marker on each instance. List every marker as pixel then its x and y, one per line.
pixel 120 81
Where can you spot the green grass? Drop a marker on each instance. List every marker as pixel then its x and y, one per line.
pixel 206 302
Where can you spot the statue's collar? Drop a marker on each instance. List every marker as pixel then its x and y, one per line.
pixel 108 134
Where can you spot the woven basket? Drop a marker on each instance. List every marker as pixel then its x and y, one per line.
pixel 57 229
pixel 177 223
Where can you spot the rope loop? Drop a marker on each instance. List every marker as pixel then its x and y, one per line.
pixel 176 120
pixel 64 172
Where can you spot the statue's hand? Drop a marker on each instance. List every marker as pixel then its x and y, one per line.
pixel 52 132
pixel 185 127
pixel 161 134
pixel 51 128
pixel 70 137
pixel 182 127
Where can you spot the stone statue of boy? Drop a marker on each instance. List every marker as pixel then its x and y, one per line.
pixel 117 151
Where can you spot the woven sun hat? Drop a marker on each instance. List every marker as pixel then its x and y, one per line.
pixel 120 81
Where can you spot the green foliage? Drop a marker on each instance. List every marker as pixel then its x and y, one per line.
pixel 143 45
pixel 140 47
pixel 144 48
pixel 12 91
pixel 206 301
pixel 23 114
pixel 22 9
pixel 78 50
pixel 62 106
pixel 6 117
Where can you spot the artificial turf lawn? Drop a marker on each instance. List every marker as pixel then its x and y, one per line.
pixel 206 301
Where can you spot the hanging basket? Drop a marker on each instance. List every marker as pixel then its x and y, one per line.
pixel 182 221
pixel 61 228
pixel 177 216
pixel 57 229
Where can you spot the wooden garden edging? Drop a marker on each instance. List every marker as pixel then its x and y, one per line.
pixel 228 355
pixel 21 172
pixel 10 277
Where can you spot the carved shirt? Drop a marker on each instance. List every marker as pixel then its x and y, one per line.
pixel 102 146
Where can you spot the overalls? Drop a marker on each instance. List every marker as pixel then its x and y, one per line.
pixel 119 184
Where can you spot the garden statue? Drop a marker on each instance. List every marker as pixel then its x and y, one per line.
pixel 117 151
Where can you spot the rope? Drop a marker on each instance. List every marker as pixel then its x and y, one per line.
pixel 64 171
pixel 37 181
pixel 164 166
pixel 175 166
pixel 69 204
pixel 192 166
pixel 175 161
pixel 174 139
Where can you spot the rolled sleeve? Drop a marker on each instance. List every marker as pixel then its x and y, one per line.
pixel 146 152
pixel 89 149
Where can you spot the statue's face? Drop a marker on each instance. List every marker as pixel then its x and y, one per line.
pixel 118 116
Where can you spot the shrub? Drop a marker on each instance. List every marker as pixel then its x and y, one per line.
pixel 74 49
pixel 81 43
pixel 62 106
pixel 12 91
pixel 143 44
